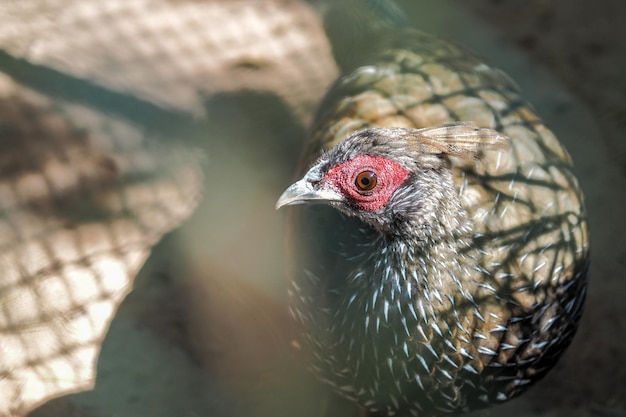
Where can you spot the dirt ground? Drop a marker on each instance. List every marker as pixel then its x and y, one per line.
pixel 203 334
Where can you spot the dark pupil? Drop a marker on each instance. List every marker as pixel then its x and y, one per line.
pixel 366 181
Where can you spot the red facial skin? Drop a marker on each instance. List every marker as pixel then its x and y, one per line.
pixel 389 176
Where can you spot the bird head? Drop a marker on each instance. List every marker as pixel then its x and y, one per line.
pixel 397 180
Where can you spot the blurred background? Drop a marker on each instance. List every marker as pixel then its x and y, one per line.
pixel 205 331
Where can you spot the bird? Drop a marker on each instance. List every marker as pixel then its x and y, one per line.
pixel 439 253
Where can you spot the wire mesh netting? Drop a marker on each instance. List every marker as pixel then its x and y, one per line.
pixel 102 104
pixel 122 120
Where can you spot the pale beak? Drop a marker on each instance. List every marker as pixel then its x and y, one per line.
pixel 304 192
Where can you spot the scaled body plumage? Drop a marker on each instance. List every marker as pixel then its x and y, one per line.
pixel 449 270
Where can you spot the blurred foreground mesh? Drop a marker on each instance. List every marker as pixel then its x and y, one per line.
pixel 83 197
pixel 102 106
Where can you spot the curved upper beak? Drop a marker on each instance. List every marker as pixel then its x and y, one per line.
pixel 304 192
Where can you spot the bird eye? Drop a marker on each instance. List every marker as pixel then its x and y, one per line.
pixel 366 181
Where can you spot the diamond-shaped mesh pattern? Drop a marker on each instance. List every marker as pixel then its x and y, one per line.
pixel 174 53
pixel 83 197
